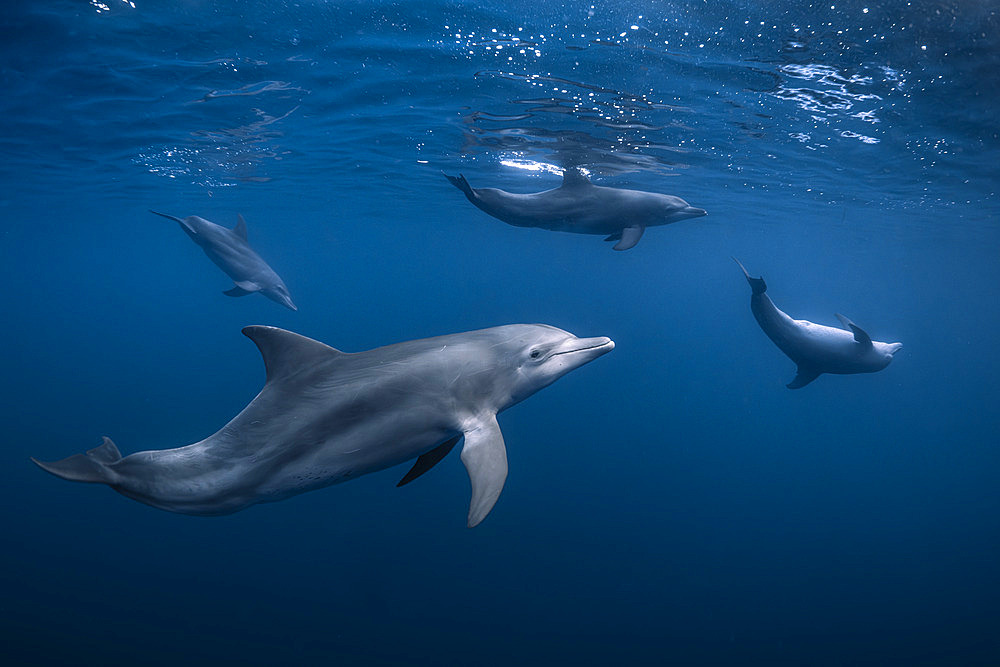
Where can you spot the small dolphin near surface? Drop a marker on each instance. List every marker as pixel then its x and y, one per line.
pixel 817 349
pixel 581 207
pixel 326 416
pixel 231 252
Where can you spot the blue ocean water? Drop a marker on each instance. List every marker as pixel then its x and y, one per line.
pixel 669 503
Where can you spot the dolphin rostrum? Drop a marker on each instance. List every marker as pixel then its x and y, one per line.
pixel 817 349
pixel 326 416
pixel 584 208
pixel 231 252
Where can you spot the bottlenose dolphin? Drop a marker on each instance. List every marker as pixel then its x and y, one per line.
pixel 584 208
pixel 326 416
pixel 817 349
pixel 229 249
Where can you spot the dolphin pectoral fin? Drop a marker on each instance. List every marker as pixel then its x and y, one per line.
pixel 247 285
pixel 243 287
pixel 485 458
pixel 861 337
pixel 630 236
pixel 427 461
pixel 803 377
pixel 614 237
pixel 89 467
pixel 241 228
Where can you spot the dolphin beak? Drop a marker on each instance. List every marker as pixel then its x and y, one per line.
pixel 694 212
pixel 588 348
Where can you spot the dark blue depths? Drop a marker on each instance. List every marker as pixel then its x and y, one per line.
pixel 671 503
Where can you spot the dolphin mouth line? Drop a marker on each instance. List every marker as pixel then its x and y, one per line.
pixel 584 349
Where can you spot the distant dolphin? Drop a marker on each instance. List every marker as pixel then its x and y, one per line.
pixel 325 417
pixel 815 348
pixel 581 207
pixel 229 249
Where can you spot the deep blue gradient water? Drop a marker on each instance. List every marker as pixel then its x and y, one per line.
pixel 669 503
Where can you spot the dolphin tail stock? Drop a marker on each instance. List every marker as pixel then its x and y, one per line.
pixel 89 467
pixel 756 284
pixel 462 184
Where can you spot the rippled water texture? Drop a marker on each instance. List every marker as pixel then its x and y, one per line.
pixel 896 97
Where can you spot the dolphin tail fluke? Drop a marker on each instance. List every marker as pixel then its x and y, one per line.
pixel 756 284
pixel 462 184
pixel 168 217
pixel 803 377
pixel 90 467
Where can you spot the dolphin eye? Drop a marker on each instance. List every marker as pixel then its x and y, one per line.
pixel 535 354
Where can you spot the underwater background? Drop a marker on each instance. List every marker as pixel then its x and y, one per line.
pixel 670 503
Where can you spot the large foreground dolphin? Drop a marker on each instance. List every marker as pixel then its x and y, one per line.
pixel 325 416
pixel 815 348
pixel 584 208
pixel 231 252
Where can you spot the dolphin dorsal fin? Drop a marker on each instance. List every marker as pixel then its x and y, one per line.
pixel 574 178
pixel 286 353
pixel 241 228
pixel 860 335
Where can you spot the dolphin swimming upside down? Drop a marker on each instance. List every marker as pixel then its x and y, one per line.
pixel 817 349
